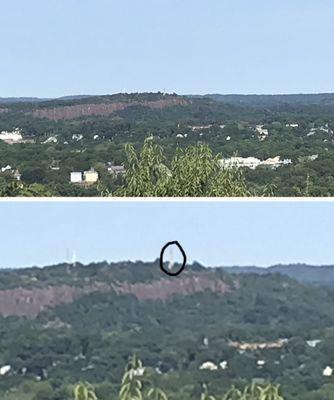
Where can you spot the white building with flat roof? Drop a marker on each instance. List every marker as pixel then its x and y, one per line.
pixel 14 136
pixel 250 162
pixel 253 162
pixel 76 177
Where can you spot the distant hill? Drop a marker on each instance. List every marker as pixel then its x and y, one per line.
pixel 250 100
pixel 12 100
pixel 323 275
pixel 267 100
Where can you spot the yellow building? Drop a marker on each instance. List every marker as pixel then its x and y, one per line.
pixel 91 176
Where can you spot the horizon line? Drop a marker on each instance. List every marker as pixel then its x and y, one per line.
pixel 64 96
pixel 86 264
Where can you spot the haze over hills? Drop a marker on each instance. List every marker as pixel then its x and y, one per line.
pixel 323 274
pixel 268 100
pixel 237 99
pixel 10 100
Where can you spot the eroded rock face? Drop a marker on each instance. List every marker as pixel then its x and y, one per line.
pixel 30 302
pixel 163 289
pixel 81 110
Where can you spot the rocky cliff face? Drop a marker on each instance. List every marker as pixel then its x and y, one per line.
pixel 103 109
pixel 163 289
pixel 30 302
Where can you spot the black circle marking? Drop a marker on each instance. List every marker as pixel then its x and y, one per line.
pixel 162 258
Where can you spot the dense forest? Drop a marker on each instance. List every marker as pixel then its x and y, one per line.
pixel 79 133
pixel 205 328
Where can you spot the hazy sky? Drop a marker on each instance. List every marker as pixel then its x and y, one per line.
pixel 214 233
pixel 61 47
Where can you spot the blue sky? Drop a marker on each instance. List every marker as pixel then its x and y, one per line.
pixel 213 233
pixel 61 47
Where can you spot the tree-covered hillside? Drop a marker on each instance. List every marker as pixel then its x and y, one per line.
pixel 203 327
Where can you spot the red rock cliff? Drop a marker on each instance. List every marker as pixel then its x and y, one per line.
pixel 30 302
pixel 80 110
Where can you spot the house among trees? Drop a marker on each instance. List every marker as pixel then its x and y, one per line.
pixel 115 169
pixel 85 178
pixel 76 177
pixel 91 176
pixel 14 136
pixel 10 171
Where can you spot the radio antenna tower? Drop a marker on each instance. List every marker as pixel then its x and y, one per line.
pixel 171 259
pixel 74 258
pixel 70 259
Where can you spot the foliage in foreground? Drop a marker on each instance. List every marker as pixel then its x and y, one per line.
pixel 136 386
pixel 14 188
pixel 193 172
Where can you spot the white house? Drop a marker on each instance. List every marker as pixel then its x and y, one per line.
pixel 253 162
pixel 77 136
pixel 328 371
pixel 6 168
pixel 313 343
pixel 14 136
pixel 250 162
pixel 199 127
pixel 209 365
pixel 223 364
pixel 76 177
pixel 5 369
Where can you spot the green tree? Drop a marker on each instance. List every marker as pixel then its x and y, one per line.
pixel 254 392
pixel 205 394
pixel 270 392
pixel 156 394
pixel 131 387
pixel 193 172
pixel 84 391
pixel 233 394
